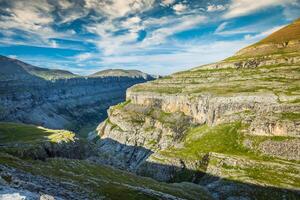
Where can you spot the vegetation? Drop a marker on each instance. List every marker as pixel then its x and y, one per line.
pixel 201 140
pixel 30 134
pixel 290 116
pixel 249 165
pixel 120 105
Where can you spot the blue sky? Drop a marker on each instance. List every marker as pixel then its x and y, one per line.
pixel 155 36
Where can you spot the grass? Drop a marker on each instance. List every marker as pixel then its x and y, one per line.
pixel 224 138
pixel 86 129
pixel 30 134
pixel 121 105
pixel 250 166
pixel 204 139
pixel 292 116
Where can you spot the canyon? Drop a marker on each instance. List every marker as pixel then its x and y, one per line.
pixel 59 99
pixel 227 130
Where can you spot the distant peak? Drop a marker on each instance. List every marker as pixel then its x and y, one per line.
pixel 14 67
pixel 121 73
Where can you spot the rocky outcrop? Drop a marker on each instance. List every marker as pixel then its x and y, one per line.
pixel 285 149
pixel 18 185
pixel 212 110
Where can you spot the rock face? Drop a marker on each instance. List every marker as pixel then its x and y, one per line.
pixel 229 120
pixel 62 100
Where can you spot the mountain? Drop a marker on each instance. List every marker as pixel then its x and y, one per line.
pixel 232 127
pixel 57 98
pixel 121 73
pixel 14 68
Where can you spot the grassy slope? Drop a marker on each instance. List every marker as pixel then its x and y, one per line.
pixel 21 133
pixel 275 45
pixel 227 139
pixel 97 180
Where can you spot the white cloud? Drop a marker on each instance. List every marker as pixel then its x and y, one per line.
pixel 83 57
pixel 221 27
pixel 119 8
pixel 33 16
pixel 225 30
pixel 53 44
pixel 167 2
pixel 65 4
pixel 179 7
pixel 214 8
pixel 131 22
pixel 35 19
pixel 244 7
pixel 177 25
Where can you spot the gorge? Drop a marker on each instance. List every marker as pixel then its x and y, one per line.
pixel 228 130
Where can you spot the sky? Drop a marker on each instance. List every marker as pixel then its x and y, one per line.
pixel 155 36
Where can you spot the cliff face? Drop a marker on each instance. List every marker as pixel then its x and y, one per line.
pixel 237 119
pixel 67 102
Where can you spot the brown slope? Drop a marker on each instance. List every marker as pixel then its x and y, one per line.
pixel 285 40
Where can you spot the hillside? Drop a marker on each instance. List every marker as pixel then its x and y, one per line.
pixel 283 42
pixel 286 34
pixel 232 127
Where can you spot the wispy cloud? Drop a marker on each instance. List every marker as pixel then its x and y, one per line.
pixel 214 8
pixel 263 34
pixel 117 8
pixel 244 7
